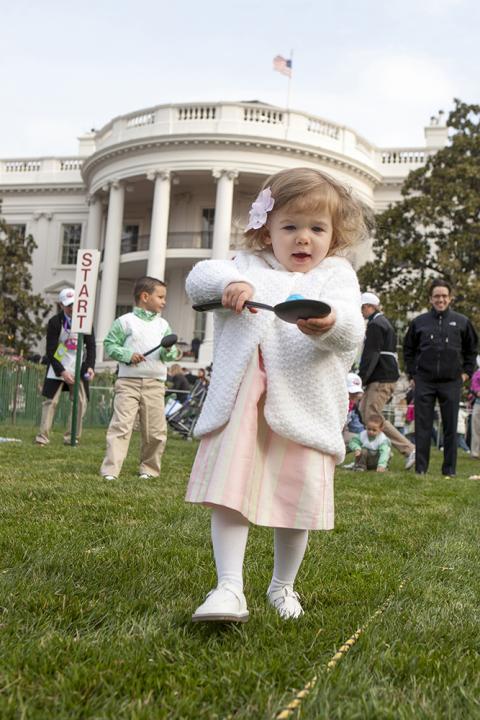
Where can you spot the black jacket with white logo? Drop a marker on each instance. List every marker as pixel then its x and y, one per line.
pixel 440 346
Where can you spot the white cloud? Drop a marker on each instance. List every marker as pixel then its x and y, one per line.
pixel 390 97
pixel 381 68
pixel 406 78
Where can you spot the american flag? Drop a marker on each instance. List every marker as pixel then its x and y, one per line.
pixel 282 65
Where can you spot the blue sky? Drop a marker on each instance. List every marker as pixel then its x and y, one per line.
pixel 382 67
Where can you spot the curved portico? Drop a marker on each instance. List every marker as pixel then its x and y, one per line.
pixel 175 168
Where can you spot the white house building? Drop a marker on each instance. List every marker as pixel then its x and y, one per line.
pixel 159 189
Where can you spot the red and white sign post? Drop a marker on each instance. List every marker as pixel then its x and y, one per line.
pixel 88 262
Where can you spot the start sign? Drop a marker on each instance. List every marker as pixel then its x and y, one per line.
pixel 88 262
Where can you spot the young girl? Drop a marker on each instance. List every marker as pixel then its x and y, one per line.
pixel 271 426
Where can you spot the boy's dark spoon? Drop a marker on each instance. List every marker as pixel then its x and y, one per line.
pixel 167 341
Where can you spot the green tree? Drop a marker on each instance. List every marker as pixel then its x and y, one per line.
pixel 22 313
pixel 434 231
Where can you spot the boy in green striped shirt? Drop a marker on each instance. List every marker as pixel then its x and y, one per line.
pixel 140 387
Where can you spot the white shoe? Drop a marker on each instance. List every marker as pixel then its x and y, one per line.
pixel 226 603
pixel 410 461
pixel 286 601
pixel 109 477
pixel 348 466
pixel 145 476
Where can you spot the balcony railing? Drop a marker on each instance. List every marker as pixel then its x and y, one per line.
pixel 198 240
pixel 263 115
pixel 175 240
pixel 197 112
pixel 27 170
pixel 23 166
pixel 138 244
pixel 45 164
pixel 399 156
pixel 229 118
pixel 201 240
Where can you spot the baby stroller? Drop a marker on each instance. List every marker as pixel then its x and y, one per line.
pixel 182 418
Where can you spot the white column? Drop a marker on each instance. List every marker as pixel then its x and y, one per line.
pixel 46 255
pixel 157 251
pixel 111 264
pixel 94 223
pixel 222 229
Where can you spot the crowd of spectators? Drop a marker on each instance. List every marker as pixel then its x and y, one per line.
pixel 435 402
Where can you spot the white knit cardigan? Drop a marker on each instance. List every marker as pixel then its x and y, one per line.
pixel 307 398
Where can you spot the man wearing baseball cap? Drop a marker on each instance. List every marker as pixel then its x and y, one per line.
pixel 379 372
pixel 61 353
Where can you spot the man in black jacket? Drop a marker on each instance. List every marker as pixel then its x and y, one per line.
pixel 379 372
pixel 61 355
pixel 440 352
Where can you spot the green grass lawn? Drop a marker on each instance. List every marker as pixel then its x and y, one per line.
pixel 98 582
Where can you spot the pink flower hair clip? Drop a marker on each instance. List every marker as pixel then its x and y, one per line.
pixel 260 209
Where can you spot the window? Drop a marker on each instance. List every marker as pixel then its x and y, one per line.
pixel 208 219
pixel 200 323
pixel 72 235
pixel 129 239
pixel 18 228
pixel 122 310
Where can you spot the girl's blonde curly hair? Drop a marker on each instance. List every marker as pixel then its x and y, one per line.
pixel 309 190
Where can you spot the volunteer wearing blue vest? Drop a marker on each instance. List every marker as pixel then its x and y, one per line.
pixel 379 372
pixel 140 388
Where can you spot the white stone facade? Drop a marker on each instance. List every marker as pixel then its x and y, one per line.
pixel 159 189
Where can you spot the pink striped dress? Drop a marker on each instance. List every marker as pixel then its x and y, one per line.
pixel 270 480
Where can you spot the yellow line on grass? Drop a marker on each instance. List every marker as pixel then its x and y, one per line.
pixel 333 662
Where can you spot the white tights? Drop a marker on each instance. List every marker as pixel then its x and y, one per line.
pixel 229 538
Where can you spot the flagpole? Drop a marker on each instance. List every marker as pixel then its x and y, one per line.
pixel 290 80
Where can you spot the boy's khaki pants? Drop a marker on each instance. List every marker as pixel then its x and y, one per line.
pixel 144 396
pixel 49 407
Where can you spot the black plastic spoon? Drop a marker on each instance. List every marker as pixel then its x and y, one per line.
pixel 290 311
pixel 167 341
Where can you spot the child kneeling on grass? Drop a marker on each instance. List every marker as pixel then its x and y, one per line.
pixel 140 388
pixel 371 447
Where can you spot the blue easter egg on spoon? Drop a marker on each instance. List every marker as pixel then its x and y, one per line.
pixel 294 297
